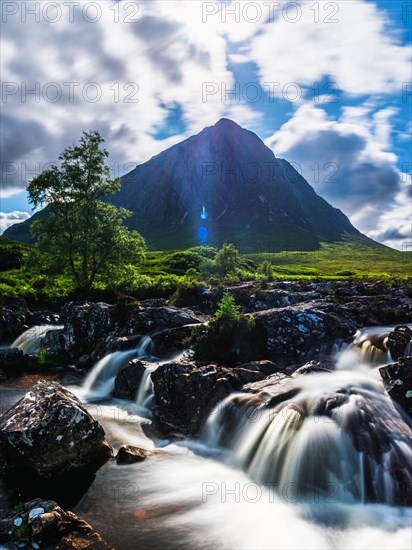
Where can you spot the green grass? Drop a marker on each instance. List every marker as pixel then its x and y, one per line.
pixel 340 261
pixel 164 273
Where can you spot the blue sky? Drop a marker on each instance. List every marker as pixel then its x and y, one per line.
pixel 326 85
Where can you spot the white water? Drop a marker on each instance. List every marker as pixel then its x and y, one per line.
pixel 30 341
pixel 290 477
pixel 145 392
pixel 99 383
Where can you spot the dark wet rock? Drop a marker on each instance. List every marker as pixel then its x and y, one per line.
pixel 43 523
pixel 185 392
pixel 42 318
pixel 398 341
pixel 325 364
pixel 13 313
pixel 397 379
pixel 294 331
pixel 171 340
pixel 269 387
pixel 158 318
pixel 128 454
pixel 49 433
pixel 269 299
pixel 123 343
pixel 87 327
pixel 13 361
pixel 128 380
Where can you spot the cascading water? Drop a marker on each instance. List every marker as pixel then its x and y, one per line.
pixel 99 383
pixel 145 392
pixel 320 460
pixel 30 341
pixel 373 344
pixel 339 437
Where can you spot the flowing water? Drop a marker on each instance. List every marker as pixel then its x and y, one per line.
pixel 30 341
pixel 99 383
pixel 323 463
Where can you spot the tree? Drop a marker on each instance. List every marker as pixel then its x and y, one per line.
pixel 80 232
pixel 227 259
pixel 227 307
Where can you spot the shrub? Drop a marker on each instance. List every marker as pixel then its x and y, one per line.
pixel 230 338
pixel 227 259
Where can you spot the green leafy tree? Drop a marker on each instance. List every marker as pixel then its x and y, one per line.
pixel 80 232
pixel 227 259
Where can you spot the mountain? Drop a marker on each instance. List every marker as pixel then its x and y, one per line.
pixel 224 185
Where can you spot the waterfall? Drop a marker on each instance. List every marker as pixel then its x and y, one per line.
pixel 99 383
pixel 373 344
pixel 145 392
pixel 30 341
pixel 339 439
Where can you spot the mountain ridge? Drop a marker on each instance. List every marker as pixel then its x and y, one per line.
pixel 224 185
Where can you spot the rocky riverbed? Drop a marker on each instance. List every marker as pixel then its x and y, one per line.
pixel 50 442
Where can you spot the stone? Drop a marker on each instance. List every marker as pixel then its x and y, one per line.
pixel 153 319
pixel 49 433
pixel 398 341
pixel 185 392
pixel 397 379
pixel 129 454
pixel 293 332
pixel 43 524
pixel 128 380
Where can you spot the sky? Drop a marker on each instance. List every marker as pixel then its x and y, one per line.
pixel 327 86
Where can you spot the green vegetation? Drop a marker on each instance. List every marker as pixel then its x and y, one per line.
pixel 230 338
pixel 183 275
pixel 82 235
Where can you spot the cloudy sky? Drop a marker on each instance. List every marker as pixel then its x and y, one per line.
pixel 327 85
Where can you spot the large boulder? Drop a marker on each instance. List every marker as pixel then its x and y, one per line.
pixel 185 392
pixel 87 327
pixel 153 319
pixel 397 379
pixel 43 524
pixel 294 331
pixel 49 433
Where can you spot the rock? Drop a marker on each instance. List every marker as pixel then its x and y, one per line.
pixel 128 454
pixel 87 327
pixel 398 340
pixel 13 313
pixel 13 361
pixel 269 299
pixel 397 379
pixel 294 331
pixel 49 433
pixel 325 364
pixel 45 524
pixel 171 340
pixel 185 392
pixel 128 380
pixel 158 318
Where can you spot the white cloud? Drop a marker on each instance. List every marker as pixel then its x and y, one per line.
pixel 358 52
pixel 346 162
pixel 9 218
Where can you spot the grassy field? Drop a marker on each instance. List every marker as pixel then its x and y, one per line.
pixel 164 273
pixel 341 260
